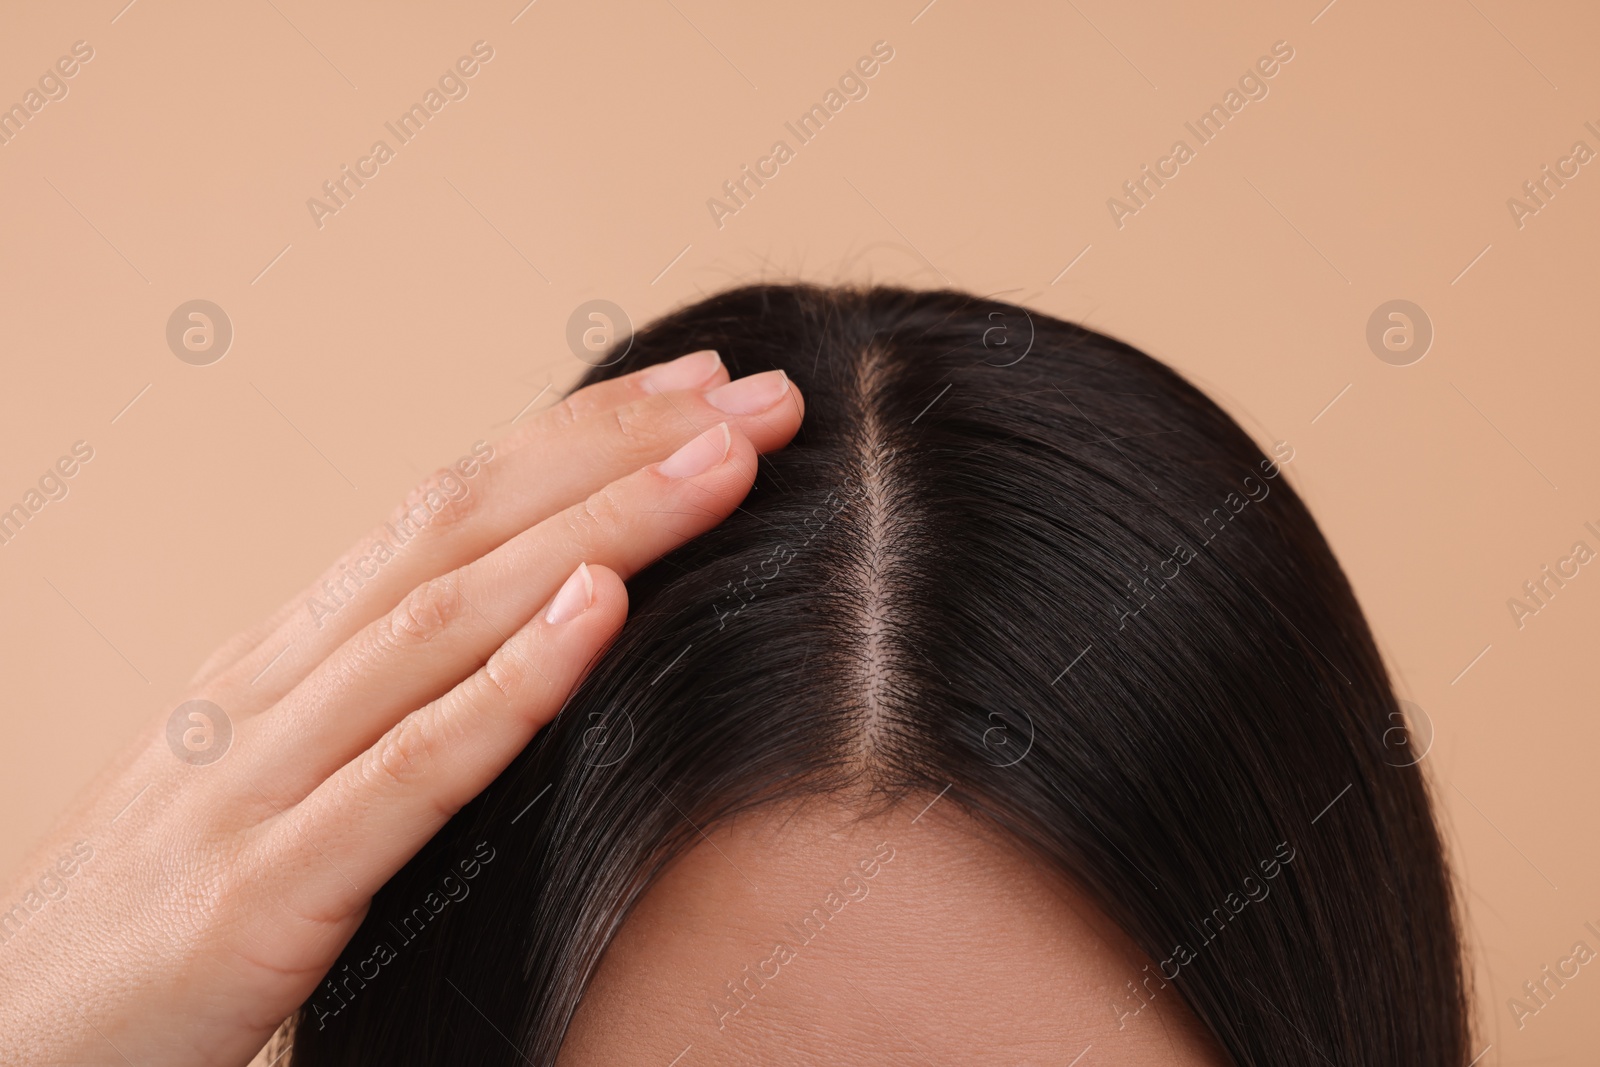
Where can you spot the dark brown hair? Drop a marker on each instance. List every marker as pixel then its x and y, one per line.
pixel 1006 554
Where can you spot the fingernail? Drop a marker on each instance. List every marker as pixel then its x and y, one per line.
pixel 700 455
pixel 574 598
pixel 685 372
pixel 750 395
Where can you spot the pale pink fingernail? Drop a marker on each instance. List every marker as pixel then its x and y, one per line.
pixel 685 372
pixel 574 598
pixel 750 395
pixel 699 455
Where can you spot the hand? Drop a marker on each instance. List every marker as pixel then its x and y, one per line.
pixel 188 905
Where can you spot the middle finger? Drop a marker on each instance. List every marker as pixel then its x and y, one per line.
pixel 553 464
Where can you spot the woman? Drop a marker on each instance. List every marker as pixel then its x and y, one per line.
pixel 1019 713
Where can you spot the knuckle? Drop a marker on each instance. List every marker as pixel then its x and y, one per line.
pixel 426 612
pixel 509 675
pixel 443 500
pixel 631 423
pixel 403 755
pixel 601 512
pixel 645 425
pixel 564 414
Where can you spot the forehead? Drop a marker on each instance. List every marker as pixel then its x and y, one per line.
pixel 807 936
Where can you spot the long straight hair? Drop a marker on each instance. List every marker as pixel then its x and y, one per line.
pixel 1010 558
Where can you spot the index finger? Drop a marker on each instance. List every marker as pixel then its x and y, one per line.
pixel 702 369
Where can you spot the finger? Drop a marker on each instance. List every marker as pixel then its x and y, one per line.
pixel 362 824
pixel 559 465
pixel 699 370
pixel 448 627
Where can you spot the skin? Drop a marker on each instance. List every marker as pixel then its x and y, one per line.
pixel 957 950
pixel 217 894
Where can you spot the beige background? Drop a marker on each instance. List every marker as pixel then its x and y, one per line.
pixel 432 310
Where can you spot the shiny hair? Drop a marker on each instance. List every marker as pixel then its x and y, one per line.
pixel 1009 558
